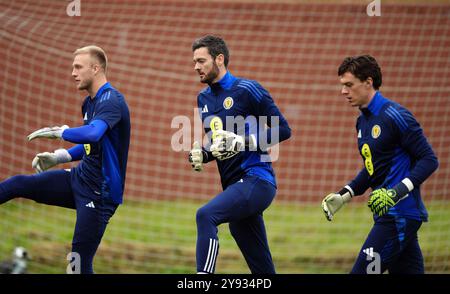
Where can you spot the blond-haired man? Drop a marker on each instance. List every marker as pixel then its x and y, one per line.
pixel 95 186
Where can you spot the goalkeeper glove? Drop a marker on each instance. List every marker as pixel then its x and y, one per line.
pixel 48 132
pixel 46 160
pixel 381 200
pixel 196 157
pixel 334 201
pixel 227 144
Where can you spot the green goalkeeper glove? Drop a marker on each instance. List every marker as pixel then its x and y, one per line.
pixel 334 201
pixel 48 132
pixel 381 200
pixel 46 160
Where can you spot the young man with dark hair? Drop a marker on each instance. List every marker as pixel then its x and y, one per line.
pixel 397 160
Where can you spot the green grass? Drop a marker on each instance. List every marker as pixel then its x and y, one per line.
pixel 160 236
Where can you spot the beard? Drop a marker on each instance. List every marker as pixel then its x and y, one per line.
pixel 212 75
pixel 85 85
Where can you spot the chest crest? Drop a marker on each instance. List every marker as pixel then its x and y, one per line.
pixel 228 102
pixel 376 131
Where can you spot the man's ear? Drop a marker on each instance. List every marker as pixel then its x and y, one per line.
pixel 96 67
pixel 220 59
pixel 369 82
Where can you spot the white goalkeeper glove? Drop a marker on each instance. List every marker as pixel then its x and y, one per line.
pixel 227 144
pixel 196 157
pixel 46 160
pixel 48 132
pixel 334 201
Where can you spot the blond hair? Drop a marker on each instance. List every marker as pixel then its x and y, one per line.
pixel 96 52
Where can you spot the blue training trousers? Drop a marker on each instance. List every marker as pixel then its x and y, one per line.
pixel 241 205
pixel 59 188
pixel 394 240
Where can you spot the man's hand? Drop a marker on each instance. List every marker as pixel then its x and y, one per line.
pixel 196 157
pixel 333 202
pixel 227 144
pixel 48 132
pixel 46 160
pixel 382 199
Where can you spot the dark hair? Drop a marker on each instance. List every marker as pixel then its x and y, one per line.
pixel 362 67
pixel 215 45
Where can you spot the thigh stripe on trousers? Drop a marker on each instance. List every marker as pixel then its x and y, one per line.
pixel 212 256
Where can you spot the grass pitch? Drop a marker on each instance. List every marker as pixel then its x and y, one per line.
pixel 159 237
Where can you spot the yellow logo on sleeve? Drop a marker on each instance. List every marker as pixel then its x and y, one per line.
pixel 365 151
pixel 87 148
